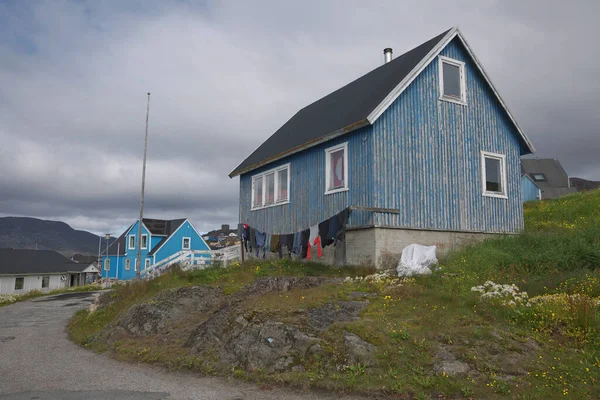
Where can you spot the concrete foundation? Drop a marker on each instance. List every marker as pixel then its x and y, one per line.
pixel 382 247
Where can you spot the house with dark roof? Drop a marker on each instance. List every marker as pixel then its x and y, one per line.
pixel 530 191
pixel 422 149
pixel 23 270
pixel 548 175
pixel 160 240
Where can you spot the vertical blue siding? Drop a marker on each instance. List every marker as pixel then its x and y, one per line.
pixel 428 154
pixel 529 190
pixel 308 203
pixel 422 157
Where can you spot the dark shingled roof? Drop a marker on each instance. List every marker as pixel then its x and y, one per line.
pixel 26 261
pixel 155 226
pixel 556 183
pixel 343 110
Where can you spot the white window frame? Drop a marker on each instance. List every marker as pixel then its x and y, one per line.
pixel 48 278
pixel 502 159
pixel 19 277
pixel 183 243
pixel 107 264
pixel 127 264
pixel 463 80
pixel 135 264
pixel 263 175
pixel 142 241
pixel 328 152
pixel 129 246
pixel 147 263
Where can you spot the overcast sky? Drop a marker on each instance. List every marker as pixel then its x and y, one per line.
pixel 225 75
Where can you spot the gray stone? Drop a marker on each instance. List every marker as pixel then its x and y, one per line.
pixel 342 311
pixel 447 362
pixel 359 351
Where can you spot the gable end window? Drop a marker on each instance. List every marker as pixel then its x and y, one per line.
pixel 144 241
pixel 131 244
pixel 186 243
pixel 493 168
pixel 453 86
pixel 271 188
pixel 336 168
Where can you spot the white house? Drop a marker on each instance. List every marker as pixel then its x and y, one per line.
pixel 23 270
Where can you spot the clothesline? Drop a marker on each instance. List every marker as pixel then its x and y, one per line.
pixel 302 243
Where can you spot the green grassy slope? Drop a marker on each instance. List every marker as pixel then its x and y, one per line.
pixel 544 345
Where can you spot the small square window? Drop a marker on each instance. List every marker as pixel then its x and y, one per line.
pixel 45 282
pixel 452 80
pixel 127 264
pixel 144 241
pixel 336 179
pixel 147 263
pixel 186 242
pixel 131 242
pixel 494 174
pixel 19 283
pixel 539 177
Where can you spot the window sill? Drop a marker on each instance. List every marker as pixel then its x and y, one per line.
pixel 332 191
pixel 496 195
pixel 453 100
pixel 270 205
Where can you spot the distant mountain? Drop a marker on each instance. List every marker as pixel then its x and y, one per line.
pixel 583 184
pixel 32 233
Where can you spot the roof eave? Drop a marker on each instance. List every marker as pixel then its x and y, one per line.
pixel 350 128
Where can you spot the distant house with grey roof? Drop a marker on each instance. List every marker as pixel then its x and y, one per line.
pixel 549 177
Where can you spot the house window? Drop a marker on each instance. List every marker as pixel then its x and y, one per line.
pixel 336 168
pixel 135 264
pixel 19 283
pixel 494 174
pixel 452 80
pixel 131 242
pixel 147 263
pixel 539 177
pixel 185 243
pixel 127 264
pixel 144 241
pixel 107 264
pixel 45 282
pixel 271 187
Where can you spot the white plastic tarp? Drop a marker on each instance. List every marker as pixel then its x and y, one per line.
pixel 417 260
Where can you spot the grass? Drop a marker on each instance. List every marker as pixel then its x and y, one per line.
pixel 545 347
pixel 7 299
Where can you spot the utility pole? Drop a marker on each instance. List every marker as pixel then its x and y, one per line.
pixel 139 236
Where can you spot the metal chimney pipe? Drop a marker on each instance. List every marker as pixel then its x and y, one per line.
pixel 387 55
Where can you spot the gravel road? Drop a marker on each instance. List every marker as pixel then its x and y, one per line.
pixel 37 361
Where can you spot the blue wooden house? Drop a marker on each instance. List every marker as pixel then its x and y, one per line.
pixel 161 241
pixel 529 189
pixel 423 150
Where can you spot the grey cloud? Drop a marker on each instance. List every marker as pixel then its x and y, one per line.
pixel 226 75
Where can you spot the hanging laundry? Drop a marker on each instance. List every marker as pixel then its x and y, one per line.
pixel 312 239
pixel 246 237
pixel 334 227
pixel 285 241
pixel 323 231
pixel 274 244
pixel 316 244
pixel 304 237
pixel 260 241
pixel 252 238
pixel 296 243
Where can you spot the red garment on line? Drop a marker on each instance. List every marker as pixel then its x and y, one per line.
pixel 317 243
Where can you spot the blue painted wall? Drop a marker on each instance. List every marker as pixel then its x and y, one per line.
pixel 529 190
pixel 421 157
pixel 174 244
pixel 427 152
pixel 155 240
pixel 308 203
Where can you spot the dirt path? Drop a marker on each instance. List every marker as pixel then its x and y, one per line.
pixel 37 361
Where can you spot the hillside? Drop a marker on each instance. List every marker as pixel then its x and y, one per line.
pixel 583 184
pixel 32 233
pixel 512 317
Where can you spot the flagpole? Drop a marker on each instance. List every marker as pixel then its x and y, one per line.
pixel 139 236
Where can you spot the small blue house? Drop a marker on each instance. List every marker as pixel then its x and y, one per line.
pixel 161 240
pixel 529 190
pixel 422 149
